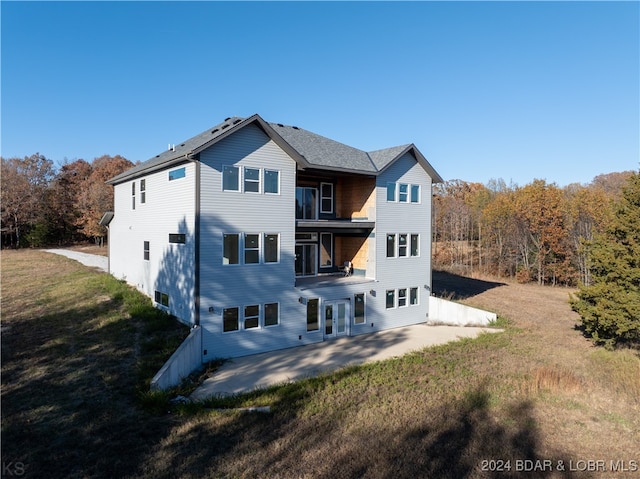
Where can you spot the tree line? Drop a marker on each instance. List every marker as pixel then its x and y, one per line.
pixel 43 205
pixel 538 232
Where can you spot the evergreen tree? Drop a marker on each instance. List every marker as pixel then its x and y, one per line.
pixel 610 306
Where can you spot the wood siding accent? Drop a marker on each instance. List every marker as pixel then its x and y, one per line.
pixel 355 197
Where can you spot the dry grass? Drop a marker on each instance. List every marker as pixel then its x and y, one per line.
pixel 539 391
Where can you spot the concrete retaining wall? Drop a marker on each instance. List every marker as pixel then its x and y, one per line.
pixel 185 360
pixel 447 312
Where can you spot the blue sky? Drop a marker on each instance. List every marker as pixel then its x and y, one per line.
pixel 512 90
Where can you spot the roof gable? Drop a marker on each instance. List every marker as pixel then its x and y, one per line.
pixel 308 149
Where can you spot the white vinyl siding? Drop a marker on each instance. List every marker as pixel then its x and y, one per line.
pixel 170 210
pixel 261 227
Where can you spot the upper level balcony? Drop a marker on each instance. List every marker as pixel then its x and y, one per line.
pixel 335 216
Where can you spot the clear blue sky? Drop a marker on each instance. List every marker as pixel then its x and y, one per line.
pixel 485 90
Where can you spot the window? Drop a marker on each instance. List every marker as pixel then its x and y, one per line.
pixel 177 174
pixel 251 248
pixel 145 248
pixel 162 298
pixel 413 296
pixel 180 238
pixel 271 181
pixel 403 192
pixel 230 320
pixel 391 246
pixel 143 191
pixel 312 315
pixel 326 198
pixel 391 191
pixel 402 245
pixel 133 195
pixel 415 245
pixel 270 248
pixel 402 297
pixel 415 193
pixel 230 178
pixel 306 208
pixel 231 249
pixel 271 314
pixel 252 180
pixel 326 250
pixel 358 313
pixel 391 298
pixel 251 316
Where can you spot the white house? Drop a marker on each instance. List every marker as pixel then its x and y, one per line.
pixel 246 228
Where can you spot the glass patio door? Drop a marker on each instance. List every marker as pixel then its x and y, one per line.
pixel 336 318
pixel 306 259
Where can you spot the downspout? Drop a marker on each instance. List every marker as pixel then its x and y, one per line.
pixel 196 272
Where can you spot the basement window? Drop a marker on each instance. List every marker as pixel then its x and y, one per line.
pixel 162 298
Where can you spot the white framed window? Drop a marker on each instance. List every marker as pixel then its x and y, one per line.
pixel 402 297
pixel 145 249
pixel 271 248
pixel 230 178
pixel 252 316
pixel 161 298
pixel 415 193
pixel 133 195
pixel 143 191
pixel 272 182
pixel 313 314
pixel 271 314
pixel 251 248
pixel 177 173
pixel 230 248
pixel 391 245
pixel 413 296
pixel 403 193
pixel 390 299
pixel 402 245
pixel 326 197
pixel 415 245
pixel 251 180
pixel 391 191
pixel 358 308
pixel 178 238
pixel 326 250
pixel 230 320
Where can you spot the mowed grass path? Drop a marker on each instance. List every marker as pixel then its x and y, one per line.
pixel 76 361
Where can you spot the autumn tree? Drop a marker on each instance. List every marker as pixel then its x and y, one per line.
pixel 610 306
pixel 96 197
pixel 588 209
pixel 542 236
pixel 64 194
pixel 24 184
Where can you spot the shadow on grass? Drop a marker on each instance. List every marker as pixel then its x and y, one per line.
pixel 70 384
pixel 456 287
pixel 461 439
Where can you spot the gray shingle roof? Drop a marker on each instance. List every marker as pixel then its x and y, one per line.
pixel 309 149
